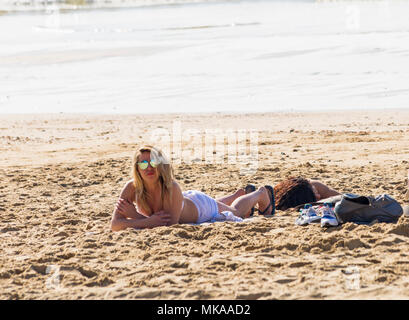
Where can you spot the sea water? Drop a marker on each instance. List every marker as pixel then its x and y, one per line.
pixel 153 56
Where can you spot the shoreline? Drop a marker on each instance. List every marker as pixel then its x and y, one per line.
pixel 201 113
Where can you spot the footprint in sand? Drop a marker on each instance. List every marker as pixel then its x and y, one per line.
pixel 41 269
pixel 285 280
pixel 401 229
pixel 61 234
pixel 354 244
pixel 299 264
pixel 104 282
pixel 9 229
pixel 66 256
pixel 253 296
pixel 87 273
pixel 5 275
pixel 90 244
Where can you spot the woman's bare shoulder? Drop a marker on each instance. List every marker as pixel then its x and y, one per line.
pixel 128 191
pixel 130 184
pixel 176 187
pixel 175 184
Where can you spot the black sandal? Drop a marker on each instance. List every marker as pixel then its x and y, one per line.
pixel 249 189
pixel 272 201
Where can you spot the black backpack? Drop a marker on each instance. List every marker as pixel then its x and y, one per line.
pixel 361 209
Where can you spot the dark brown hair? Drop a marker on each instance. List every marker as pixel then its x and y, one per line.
pixel 293 192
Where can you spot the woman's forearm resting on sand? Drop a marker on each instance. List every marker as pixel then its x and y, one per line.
pixel 157 219
pixel 127 209
pixel 118 224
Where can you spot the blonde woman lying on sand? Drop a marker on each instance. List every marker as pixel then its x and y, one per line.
pixel 153 198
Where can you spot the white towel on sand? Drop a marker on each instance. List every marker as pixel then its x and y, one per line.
pixel 226 216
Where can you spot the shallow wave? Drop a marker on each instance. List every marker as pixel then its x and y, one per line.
pixel 47 5
pixel 9 6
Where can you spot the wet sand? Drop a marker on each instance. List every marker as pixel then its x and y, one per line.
pixel 61 176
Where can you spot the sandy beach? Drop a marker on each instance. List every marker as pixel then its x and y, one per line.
pixel 61 175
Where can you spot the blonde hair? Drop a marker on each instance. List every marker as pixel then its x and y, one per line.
pixel 166 176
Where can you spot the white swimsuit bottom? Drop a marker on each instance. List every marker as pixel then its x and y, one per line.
pixel 207 208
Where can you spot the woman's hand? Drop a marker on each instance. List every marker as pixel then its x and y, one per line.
pixel 158 219
pixel 126 208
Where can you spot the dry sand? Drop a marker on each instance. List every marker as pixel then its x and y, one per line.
pixel 61 176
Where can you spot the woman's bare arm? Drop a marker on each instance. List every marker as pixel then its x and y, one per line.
pixel 119 222
pixel 125 204
pixel 130 218
pixel 156 220
pixel 324 190
pixel 122 219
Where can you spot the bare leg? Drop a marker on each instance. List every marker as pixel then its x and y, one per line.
pixel 242 205
pixel 228 200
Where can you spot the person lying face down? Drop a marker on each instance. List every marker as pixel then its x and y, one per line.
pixel 153 198
pixel 295 191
